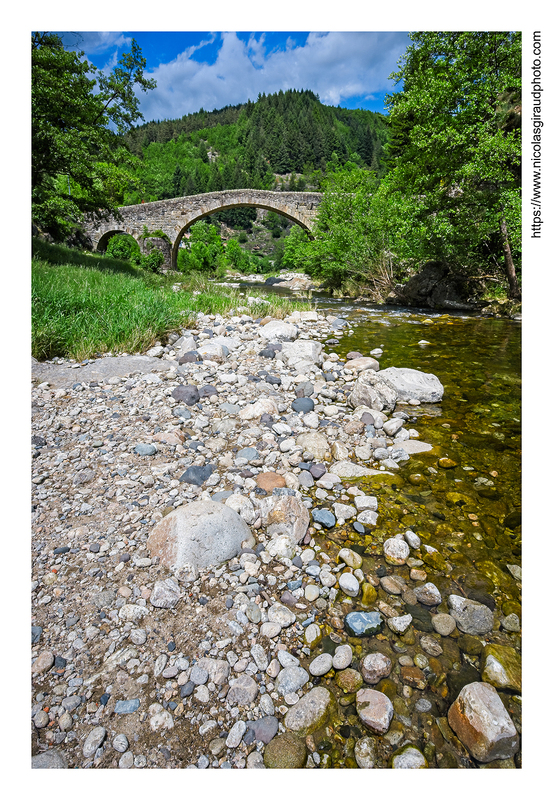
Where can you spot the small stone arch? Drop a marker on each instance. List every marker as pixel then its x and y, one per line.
pixel 224 207
pixel 105 237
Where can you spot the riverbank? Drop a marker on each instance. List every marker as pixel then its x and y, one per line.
pixel 87 305
pixel 255 662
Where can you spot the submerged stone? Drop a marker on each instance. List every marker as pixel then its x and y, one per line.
pixel 363 623
pixel 482 723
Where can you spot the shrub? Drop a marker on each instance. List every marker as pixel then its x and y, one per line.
pixel 153 261
pixel 122 246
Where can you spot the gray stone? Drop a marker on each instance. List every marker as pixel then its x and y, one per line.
pixel 243 690
pixel 365 752
pixel 347 469
pixel 145 449
pixel 51 759
pixel 471 617
pixel 321 664
pixel 165 594
pixel 412 539
pixel 290 679
pixel 236 733
pixel 127 706
pixel 282 615
pixel 408 757
pixel 368 518
pixel 369 390
pixel 277 329
pixel 343 656
pixel 187 393
pixel 349 584
pixel 120 743
pixel 396 551
pixel 412 384
pixel 428 595
pixel 200 534
pixel 310 712
pixel 399 624
pixel 93 741
pixel 126 761
pixel 197 475
pixel 264 729
pixel 324 517
pixel 444 624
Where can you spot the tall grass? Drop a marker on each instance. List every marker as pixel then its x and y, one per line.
pixel 98 305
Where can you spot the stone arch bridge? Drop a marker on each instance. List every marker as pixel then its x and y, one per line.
pixel 175 216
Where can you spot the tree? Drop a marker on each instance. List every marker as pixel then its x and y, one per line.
pixel 345 245
pixel 455 150
pixel 79 165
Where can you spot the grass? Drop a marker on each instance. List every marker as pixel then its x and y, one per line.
pixel 85 304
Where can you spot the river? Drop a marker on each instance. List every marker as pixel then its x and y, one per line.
pixel 462 498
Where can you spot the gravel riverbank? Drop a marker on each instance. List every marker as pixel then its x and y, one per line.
pixel 250 642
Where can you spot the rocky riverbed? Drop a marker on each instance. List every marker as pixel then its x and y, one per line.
pixel 219 580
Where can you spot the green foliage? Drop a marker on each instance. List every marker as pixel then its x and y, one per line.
pixel 203 251
pixel 123 247
pixel 345 245
pixel 276 223
pixel 285 132
pixel 453 189
pixel 152 261
pixel 157 234
pixel 79 164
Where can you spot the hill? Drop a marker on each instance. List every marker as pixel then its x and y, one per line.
pixel 283 140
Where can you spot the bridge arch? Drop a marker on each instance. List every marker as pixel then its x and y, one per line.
pixel 295 218
pixel 105 237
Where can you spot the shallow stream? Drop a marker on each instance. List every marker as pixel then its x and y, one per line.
pixel 463 498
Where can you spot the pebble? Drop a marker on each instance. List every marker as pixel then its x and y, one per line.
pixel 213 442
pixel 343 656
pixel 93 741
pixel 349 584
pixel 321 664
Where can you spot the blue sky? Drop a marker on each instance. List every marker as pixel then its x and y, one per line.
pixel 214 69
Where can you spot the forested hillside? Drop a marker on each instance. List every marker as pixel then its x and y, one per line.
pixel 288 140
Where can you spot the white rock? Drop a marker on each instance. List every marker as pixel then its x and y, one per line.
pixel 349 584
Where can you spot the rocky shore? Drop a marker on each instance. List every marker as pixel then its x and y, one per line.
pixel 211 585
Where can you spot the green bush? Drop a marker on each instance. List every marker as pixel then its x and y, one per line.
pixel 122 246
pixel 153 261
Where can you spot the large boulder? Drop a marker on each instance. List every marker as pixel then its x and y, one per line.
pixel 302 350
pixel 435 286
pixel 412 384
pixel 198 535
pixel 482 723
pixel 277 329
pixel 369 390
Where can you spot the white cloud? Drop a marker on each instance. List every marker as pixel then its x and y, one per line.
pixel 335 65
pixel 93 42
